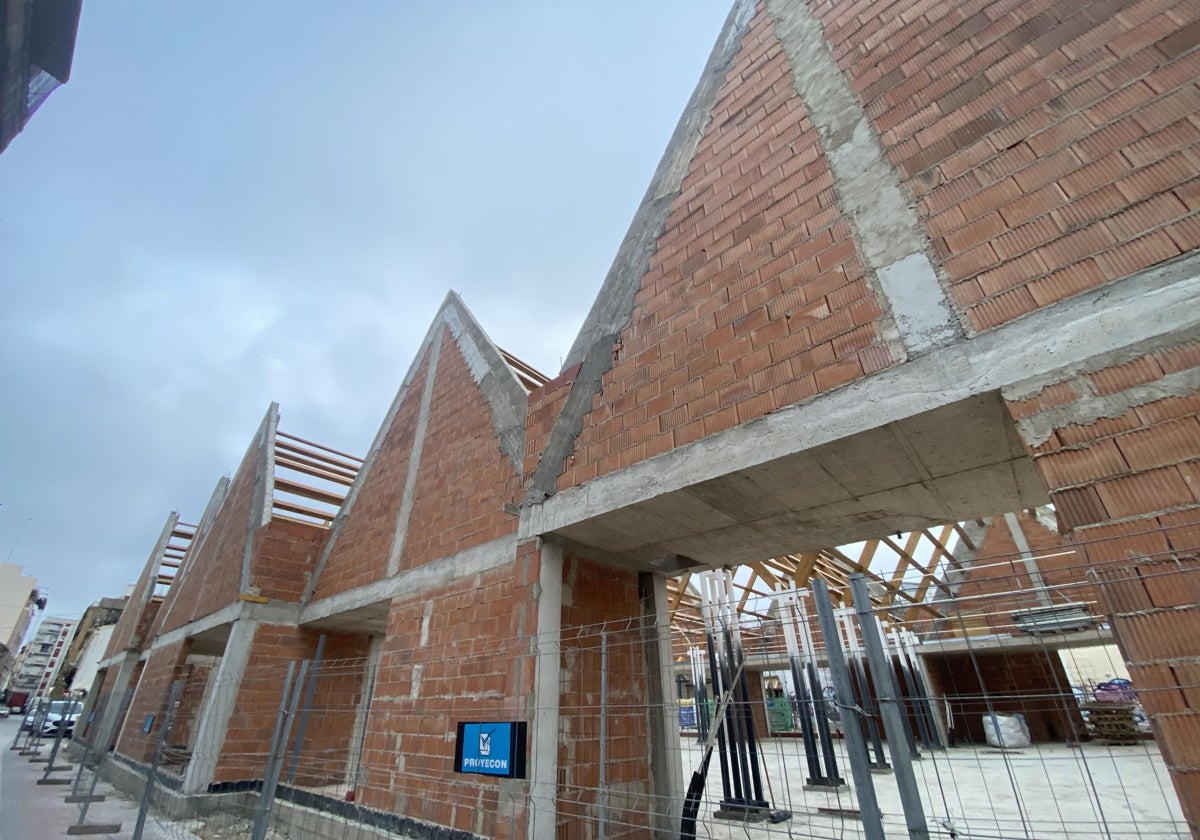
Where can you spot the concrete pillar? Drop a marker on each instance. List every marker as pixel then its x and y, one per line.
pixel 218 706
pixel 114 707
pixel 666 774
pixel 543 747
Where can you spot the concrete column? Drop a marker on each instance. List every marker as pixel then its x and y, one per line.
pixel 666 774
pixel 218 706
pixel 114 706
pixel 543 748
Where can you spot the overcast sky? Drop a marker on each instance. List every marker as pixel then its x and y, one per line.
pixel 232 203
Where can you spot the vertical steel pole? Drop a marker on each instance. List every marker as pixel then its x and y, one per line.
pixel 811 755
pixel 152 772
pixel 889 706
pixel 283 731
pixel 302 727
pixel 856 747
pixel 603 793
pixel 832 776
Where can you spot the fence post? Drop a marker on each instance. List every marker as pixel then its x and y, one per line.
pixel 302 726
pixel 889 707
pixel 152 773
pixel 50 766
pixel 288 702
pixel 89 747
pixel 856 747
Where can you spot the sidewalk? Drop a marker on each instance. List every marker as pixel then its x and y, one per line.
pixel 29 811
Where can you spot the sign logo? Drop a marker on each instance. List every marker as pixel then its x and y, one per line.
pixel 491 749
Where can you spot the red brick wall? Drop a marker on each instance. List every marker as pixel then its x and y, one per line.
pixel 1129 463
pixel 470 666
pixel 137 618
pixel 284 557
pixel 464 478
pixel 153 684
pixel 755 298
pixel 1052 148
pixel 1032 684
pixel 360 553
pixel 545 404
pixel 604 599
pixel 243 753
pixel 998 582
pixel 1129 484
pixel 214 561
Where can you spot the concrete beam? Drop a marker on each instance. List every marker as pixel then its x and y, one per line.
pixel 435 575
pixel 928 400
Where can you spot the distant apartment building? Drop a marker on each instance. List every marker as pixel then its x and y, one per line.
pixel 19 600
pixel 45 654
pixel 87 645
pixel 39 45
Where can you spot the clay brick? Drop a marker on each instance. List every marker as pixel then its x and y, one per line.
pixel 1076 433
pixel 1119 378
pixel 1079 506
pixel 1146 492
pixel 1066 282
pixel 1140 253
pixel 1001 309
pixel 1070 467
pixel 1161 445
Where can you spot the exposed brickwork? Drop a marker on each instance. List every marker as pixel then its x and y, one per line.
pixel 1032 684
pixel 216 554
pixel 597 600
pixel 464 479
pixel 284 555
pixel 360 554
pixel 1142 460
pixel 247 739
pixel 153 684
pixel 1139 466
pixel 138 616
pixel 545 404
pixel 1052 148
pixel 756 297
pixel 466 661
pixel 998 582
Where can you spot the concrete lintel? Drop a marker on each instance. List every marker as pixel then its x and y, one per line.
pixel 1153 303
pixel 270 613
pixel 464 564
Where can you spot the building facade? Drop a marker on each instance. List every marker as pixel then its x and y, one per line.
pixel 44 656
pixel 901 264
pixel 19 602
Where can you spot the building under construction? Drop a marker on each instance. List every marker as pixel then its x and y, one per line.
pixel 867 500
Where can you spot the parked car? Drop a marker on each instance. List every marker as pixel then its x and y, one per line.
pixel 58 713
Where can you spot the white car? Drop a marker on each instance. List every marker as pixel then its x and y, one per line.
pixel 59 712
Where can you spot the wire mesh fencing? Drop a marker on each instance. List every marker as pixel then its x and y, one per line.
pixel 999 706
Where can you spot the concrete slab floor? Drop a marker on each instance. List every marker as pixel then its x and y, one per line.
pixel 29 811
pixel 1045 791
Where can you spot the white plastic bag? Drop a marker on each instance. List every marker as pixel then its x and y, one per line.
pixel 1006 731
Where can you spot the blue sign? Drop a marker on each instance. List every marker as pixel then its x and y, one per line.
pixel 493 749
